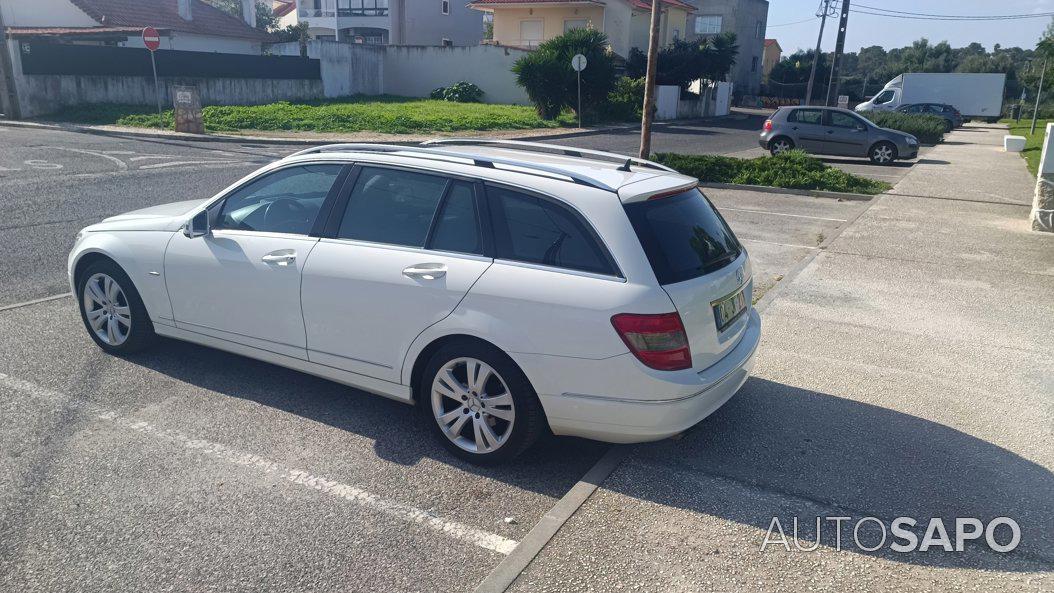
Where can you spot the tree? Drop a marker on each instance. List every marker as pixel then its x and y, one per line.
pixel 551 83
pixel 720 55
pixel 265 18
pixel 682 62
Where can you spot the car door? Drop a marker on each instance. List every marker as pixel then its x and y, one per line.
pixel 807 129
pixel 241 281
pixel 400 252
pixel 845 134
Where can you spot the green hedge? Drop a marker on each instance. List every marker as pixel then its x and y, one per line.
pixel 793 169
pixel 929 129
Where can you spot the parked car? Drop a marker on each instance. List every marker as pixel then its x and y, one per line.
pixel 835 131
pixel 505 288
pixel 951 116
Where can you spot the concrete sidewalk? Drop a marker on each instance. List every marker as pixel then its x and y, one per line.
pixel 905 372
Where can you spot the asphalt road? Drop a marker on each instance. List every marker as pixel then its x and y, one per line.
pixel 186 468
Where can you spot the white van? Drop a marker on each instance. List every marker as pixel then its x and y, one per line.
pixel 974 95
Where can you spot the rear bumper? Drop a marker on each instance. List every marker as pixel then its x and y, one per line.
pixel 632 420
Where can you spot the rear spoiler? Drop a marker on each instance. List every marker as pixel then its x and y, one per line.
pixel 656 187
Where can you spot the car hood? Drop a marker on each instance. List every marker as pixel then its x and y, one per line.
pixel 898 133
pixel 155 218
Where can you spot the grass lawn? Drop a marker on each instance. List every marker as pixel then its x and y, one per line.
pixel 385 114
pixel 1033 142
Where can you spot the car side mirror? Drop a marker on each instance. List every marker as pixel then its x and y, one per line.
pixel 861 128
pixel 197 226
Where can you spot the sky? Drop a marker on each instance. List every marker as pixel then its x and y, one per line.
pixel 865 30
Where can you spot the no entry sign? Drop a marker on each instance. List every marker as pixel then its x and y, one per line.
pixel 151 38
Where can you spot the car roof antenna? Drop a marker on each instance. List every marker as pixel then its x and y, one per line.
pixel 625 166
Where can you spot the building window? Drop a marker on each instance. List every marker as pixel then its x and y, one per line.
pixel 361 7
pixel 446 6
pixel 676 34
pixel 754 64
pixel 760 31
pixel 707 25
pixel 447 42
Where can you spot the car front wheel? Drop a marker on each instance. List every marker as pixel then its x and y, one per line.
pixel 479 403
pixel 112 311
pixel 882 153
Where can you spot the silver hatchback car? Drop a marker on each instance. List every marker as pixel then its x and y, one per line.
pixel 834 131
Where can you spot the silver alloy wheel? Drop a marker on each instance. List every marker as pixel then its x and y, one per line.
pixel 883 154
pixel 473 405
pixel 107 310
pixel 780 146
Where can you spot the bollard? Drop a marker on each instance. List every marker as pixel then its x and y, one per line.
pixel 1042 216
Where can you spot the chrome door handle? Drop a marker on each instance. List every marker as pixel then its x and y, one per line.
pixel 282 258
pixel 425 271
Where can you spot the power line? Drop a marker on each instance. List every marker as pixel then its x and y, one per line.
pixel 795 22
pixel 887 12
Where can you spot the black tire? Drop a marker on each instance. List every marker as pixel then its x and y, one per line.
pixel 878 153
pixel 529 419
pixel 140 333
pixel 776 145
pixel 948 126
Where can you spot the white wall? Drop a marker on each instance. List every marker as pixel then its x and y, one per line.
pixel 347 68
pixel 413 71
pixel 617 19
pixel 44 13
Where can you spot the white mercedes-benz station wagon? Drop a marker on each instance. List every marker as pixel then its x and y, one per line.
pixel 506 288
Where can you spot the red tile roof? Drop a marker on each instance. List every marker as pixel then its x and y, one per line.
pixel 285 8
pixel 769 42
pixel 164 14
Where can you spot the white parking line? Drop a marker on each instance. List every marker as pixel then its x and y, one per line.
pixel 780 244
pixel 782 214
pixel 225 453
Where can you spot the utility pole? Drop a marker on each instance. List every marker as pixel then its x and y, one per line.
pixel 824 9
pixel 1035 112
pixel 8 94
pixel 649 81
pixel 839 47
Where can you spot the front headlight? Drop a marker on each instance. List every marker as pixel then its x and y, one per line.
pixel 912 141
pixel 80 236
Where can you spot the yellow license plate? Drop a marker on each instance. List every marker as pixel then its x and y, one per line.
pixel 728 309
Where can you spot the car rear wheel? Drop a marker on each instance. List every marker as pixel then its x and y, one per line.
pixel 479 403
pixel 948 126
pixel 112 311
pixel 780 145
pixel 883 153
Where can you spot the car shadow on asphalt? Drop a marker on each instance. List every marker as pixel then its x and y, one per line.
pixel 398 431
pixel 793 452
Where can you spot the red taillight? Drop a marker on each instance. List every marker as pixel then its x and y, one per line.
pixel 658 341
pixel 768 125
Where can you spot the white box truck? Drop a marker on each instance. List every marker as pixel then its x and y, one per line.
pixel 977 96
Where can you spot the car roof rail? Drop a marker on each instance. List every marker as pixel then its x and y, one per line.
pixel 477 160
pixel 550 148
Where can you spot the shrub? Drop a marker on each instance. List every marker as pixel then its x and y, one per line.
pixel 929 129
pixel 437 94
pixel 551 83
pixel 463 92
pixel 793 169
pixel 625 102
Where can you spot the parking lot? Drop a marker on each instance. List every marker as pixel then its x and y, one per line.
pixel 187 468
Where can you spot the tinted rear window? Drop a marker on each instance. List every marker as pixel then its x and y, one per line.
pixel 683 236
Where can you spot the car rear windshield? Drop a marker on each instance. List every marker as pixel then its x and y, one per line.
pixel 683 236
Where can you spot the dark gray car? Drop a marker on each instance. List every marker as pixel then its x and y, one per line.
pixel 834 131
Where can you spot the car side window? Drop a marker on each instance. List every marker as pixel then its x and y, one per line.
pixel 285 201
pixel 843 120
pixel 457 223
pixel 392 206
pixel 805 116
pixel 883 97
pixel 539 231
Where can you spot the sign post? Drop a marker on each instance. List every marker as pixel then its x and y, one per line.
pixel 152 41
pixel 579 64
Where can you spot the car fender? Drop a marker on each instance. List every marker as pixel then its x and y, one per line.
pixel 141 254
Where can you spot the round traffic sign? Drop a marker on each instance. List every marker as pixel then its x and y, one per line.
pixel 578 62
pixel 151 38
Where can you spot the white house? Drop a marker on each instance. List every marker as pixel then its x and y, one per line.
pixel 385 22
pixel 190 25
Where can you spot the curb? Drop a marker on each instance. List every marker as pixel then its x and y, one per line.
pixel 797 192
pixel 167 135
